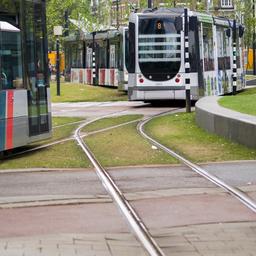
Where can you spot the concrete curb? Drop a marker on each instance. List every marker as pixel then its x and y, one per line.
pixel 232 125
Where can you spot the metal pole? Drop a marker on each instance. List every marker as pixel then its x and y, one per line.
pixel 187 64
pixel 208 2
pixel 93 59
pixel 117 13
pixel 150 4
pixel 254 40
pixel 58 66
pixel 234 58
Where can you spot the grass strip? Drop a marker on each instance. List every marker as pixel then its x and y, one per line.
pixel 180 133
pixel 123 146
pixel 64 155
pixel 71 92
pixel 110 121
pixel 66 130
pixel 57 121
pixel 244 102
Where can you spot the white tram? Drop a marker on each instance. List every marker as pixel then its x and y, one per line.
pixel 98 58
pixel 157 59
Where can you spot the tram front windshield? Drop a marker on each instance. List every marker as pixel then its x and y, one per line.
pixel 159 48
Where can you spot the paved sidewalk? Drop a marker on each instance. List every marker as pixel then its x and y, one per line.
pixel 221 239
pixel 72 245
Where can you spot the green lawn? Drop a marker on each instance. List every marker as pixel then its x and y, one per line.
pixel 71 92
pixel 110 121
pixel 56 121
pixel 64 155
pixel 180 133
pixel 123 146
pixel 244 102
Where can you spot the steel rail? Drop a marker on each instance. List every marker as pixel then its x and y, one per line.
pixel 243 197
pixel 56 142
pixel 131 216
pixel 67 124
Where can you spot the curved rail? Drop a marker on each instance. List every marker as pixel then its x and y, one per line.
pixel 133 219
pixel 244 198
pixel 69 138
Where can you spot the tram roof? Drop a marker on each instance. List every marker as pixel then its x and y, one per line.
pixel 6 26
pixel 106 34
pixel 203 17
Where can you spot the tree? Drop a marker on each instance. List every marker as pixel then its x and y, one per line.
pixel 56 14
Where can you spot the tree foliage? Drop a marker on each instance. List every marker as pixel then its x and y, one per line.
pixel 82 10
pixel 56 13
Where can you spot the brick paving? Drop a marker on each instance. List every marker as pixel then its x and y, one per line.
pixel 72 245
pixel 221 239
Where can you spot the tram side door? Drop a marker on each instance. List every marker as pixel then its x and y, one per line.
pixel 207 58
pixel 88 64
pixel 201 61
pixel 35 55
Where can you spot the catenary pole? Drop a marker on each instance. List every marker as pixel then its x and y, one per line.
pixel 254 40
pixel 150 5
pixel 187 64
pixel 234 58
pixel 93 59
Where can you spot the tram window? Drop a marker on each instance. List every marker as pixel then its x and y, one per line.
pixel 208 47
pixel 113 53
pixel 10 57
pixel 223 49
pixel 131 68
pixel 102 54
pixel 159 48
pixel 35 56
pixel 79 55
pixel 192 52
pixel 88 57
pixel 238 57
pixel 67 57
pixel 121 52
pixel 126 49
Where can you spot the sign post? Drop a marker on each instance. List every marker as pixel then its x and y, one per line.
pixel 58 32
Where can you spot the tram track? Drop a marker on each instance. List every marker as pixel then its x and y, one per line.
pixel 135 222
pixel 70 138
pixel 236 192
